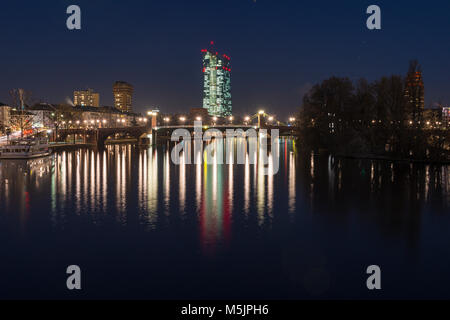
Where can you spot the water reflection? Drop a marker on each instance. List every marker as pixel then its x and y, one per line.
pixel 130 186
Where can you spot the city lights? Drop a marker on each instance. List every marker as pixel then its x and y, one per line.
pixel 216 83
pixel 136 165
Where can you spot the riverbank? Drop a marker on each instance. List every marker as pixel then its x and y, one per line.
pixel 393 159
pixel 73 146
pixel 70 146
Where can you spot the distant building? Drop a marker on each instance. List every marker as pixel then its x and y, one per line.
pixel 103 116
pixel 216 83
pixel 86 98
pixel 432 116
pixel 43 115
pixel 123 96
pixel 446 115
pixel 199 113
pixel 415 91
pixel 5 114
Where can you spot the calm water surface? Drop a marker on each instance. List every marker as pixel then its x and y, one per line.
pixel 141 227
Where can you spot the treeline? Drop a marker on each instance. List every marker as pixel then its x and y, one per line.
pixel 368 119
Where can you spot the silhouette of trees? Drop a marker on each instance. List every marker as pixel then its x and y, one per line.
pixel 367 119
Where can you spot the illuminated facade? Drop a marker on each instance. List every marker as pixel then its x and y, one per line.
pixel 5 113
pixel 415 91
pixel 123 96
pixel 86 98
pixel 216 83
pixel 446 115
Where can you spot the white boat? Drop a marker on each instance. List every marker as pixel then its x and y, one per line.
pixel 25 149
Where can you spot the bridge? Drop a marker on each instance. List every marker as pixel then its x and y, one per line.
pixel 165 132
pixel 160 133
pixel 264 121
pixel 99 136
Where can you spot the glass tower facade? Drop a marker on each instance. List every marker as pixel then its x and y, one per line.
pixel 216 83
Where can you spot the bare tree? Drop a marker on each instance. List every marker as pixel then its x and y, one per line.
pixel 20 119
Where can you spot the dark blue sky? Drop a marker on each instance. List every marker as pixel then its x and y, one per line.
pixel 278 48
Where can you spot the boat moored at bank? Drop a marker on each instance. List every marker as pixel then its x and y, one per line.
pixel 25 149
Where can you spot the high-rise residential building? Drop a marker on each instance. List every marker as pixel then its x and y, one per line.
pixel 86 98
pixel 446 115
pixel 5 114
pixel 415 91
pixel 123 96
pixel 216 83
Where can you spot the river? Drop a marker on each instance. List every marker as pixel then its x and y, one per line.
pixel 142 227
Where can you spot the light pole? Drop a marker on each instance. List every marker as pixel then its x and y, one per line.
pixel 154 118
pixel 49 132
pixel 260 113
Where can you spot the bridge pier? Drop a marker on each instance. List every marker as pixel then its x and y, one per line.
pixel 154 137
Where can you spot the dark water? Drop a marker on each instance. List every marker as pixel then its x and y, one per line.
pixel 142 227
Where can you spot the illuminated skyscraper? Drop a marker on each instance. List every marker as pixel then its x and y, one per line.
pixel 216 83
pixel 123 94
pixel 415 91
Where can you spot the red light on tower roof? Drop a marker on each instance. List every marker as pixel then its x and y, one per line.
pixel 212 43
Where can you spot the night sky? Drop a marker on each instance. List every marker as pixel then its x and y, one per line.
pixel 278 48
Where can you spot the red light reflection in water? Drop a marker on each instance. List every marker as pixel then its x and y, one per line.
pixel 215 208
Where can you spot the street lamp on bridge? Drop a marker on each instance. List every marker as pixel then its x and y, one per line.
pixel 260 114
pixel 154 115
